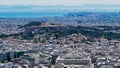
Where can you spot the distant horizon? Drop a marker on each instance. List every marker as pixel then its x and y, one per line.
pixel 53 10
pixel 116 5
pixel 31 8
pixel 58 2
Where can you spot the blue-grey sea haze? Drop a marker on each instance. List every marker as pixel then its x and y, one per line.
pixel 50 11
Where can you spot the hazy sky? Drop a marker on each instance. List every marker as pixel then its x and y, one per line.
pixel 58 2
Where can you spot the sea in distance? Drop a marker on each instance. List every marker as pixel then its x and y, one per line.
pixel 30 14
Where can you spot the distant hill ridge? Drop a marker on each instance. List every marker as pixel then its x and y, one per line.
pixel 34 23
pixel 42 24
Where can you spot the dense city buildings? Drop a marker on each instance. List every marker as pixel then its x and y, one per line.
pixel 51 43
